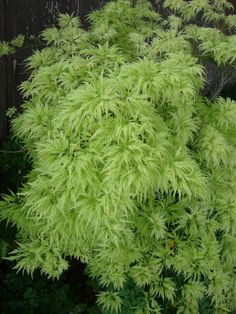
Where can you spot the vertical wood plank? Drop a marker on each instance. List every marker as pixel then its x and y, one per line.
pixel 3 101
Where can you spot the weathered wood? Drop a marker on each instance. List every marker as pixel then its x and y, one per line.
pixel 3 102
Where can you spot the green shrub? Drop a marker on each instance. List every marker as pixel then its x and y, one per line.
pixel 38 295
pixel 133 167
pixel 7 48
pixel 14 165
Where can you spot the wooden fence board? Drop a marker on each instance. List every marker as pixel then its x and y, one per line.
pixel 3 102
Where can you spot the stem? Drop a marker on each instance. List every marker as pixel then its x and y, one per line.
pixel 223 81
pixel 11 151
pixel 219 87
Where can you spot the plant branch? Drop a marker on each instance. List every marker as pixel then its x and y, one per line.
pixel 224 79
pixel 11 151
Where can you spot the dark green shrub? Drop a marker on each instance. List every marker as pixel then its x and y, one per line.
pixel 38 295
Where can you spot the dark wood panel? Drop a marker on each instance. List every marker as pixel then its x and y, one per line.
pixel 3 102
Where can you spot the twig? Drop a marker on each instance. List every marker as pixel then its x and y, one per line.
pixel 223 81
pixel 11 151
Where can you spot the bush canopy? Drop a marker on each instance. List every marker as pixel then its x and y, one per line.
pixel 133 165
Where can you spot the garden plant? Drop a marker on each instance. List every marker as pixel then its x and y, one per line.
pixel 133 154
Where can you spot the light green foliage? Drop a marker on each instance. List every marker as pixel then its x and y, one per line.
pixel 133 168
pixel 7 48
pixel 110 301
